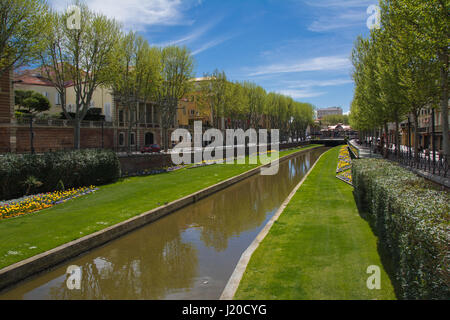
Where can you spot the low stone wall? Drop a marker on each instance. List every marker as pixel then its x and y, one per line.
pixel 135 163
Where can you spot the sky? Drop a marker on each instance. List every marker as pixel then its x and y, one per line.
pixel 300 48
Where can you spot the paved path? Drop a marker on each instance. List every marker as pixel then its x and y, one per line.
pixel 364 152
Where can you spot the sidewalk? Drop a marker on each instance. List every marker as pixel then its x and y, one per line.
pixel 365 152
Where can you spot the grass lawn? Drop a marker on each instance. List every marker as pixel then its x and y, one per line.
pixel 319 248
pixel 28 235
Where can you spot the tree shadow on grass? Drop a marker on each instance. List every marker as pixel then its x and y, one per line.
pixel 383 252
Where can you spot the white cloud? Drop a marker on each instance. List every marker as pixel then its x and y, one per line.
pixel 137 14
pixel 314 64
pixel 316 83
pixel 341 3
pixel 211 44
pixel 339 21
pixel 337 14
pixel 298 94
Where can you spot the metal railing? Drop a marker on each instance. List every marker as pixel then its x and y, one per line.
pixel 425 161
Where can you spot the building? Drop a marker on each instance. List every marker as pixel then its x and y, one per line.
pixel 338 131
pixel 123 128
pixel 34 80
pixel 321 113
pixel 425 129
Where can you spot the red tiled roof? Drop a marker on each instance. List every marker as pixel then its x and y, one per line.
pixel 35 77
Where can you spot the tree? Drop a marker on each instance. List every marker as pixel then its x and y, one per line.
pixel 54 57
pixel 334 119
pixel 256 101
pixel 21 23
pixel 177 72
pixel 425 24
pixel 135 76
pixel 82 56
pixel 213 96
pixel 32 102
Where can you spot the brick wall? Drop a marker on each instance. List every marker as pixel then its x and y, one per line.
pixel 6 107
pixel 54 138
pixel 5 97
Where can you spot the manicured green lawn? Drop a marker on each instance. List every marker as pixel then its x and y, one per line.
pixel 319 248
pixel 28 235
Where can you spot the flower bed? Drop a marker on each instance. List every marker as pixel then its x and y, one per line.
pixel 152 172
pixel 29 204
pixel 345 176
pixel 343 170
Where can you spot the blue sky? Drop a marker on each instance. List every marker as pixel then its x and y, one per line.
pixel 300 48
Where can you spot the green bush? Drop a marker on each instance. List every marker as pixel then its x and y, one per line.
pixel 73 169
pixel 411 219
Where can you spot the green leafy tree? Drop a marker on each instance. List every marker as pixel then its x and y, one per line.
pixel 421 30
pixel 177 72
pixel 32 102
pixel 135 76
pixel 21 25
pixel 82 56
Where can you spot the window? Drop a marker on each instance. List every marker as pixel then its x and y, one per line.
pixel 133 138
pixel 121 139
pixel 45 94
pixel 121 116
pixel 149 138
pixel 57 99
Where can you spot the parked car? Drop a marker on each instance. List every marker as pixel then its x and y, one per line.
pixel 154 148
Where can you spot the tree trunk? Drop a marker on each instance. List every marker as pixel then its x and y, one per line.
pixel 444 100
pixel 397 140
pixel 31 134
pixel 416 135
pixel 77 134
pixel 385 141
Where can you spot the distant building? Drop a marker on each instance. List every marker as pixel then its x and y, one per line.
pixel 321 113
pixel 339 131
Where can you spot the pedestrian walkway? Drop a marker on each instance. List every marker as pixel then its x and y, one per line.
pixel 364 152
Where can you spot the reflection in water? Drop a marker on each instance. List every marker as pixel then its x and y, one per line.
pixel 189 254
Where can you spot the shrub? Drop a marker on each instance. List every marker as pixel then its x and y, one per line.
pixel 411 219
pixel 73 169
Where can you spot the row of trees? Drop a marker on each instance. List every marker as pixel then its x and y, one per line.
pixel 248 105
pixel 402 67
pixel 88 50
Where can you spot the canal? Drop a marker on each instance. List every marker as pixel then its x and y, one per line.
pixel 189 254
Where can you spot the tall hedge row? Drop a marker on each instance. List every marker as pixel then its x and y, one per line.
pixel 74 169
pixel 411 218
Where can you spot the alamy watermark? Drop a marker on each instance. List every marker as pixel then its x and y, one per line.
pixel 73 282
pixel 74 18
pixel 257 143
pixel 374 20
pixel 374 281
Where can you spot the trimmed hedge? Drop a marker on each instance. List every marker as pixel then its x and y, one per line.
pixel 411 218
pixel 74 169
